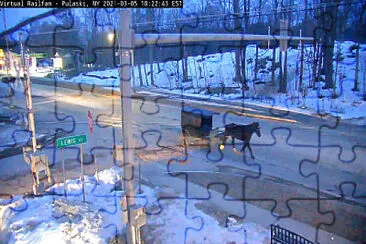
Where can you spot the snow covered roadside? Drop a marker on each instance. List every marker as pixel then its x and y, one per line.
pixel 218 69
pixel 52 217
pixel 99 219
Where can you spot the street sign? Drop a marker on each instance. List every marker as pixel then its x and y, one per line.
pixel 38 55
pixel 90 121
pixel 71 141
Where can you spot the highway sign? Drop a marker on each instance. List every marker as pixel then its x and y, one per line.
pixel 71 141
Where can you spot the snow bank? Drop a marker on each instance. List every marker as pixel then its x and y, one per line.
pixel 99 219
pixel 212 76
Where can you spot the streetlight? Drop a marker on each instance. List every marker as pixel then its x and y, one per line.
pixel 110 37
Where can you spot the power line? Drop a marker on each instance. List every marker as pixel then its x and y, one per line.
pixel 30 20
pixel 256 13
pixel 201 19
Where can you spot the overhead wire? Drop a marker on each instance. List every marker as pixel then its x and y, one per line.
pixel 294 8
pixel 285 10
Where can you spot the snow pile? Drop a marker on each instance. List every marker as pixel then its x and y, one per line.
pixel 180 222
pixel 106 78
pixel 54 217
pixel 100 219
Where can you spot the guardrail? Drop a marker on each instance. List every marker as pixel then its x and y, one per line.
pixel 280 235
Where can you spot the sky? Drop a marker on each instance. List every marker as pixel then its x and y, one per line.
pixel 14 16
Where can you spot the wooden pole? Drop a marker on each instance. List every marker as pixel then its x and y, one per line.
pixel 95 159
pixel 133 70
pixel 126 106
pixel 63 170
pixel 82 172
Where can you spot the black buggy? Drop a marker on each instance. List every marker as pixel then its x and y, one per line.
pixel 197 131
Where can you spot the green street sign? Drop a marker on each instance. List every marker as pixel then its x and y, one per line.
pixel 38 55
pixel 70 141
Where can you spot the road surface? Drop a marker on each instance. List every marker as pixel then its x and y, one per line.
pixel 290 149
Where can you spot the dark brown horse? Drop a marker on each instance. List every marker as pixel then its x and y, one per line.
pixel 243 133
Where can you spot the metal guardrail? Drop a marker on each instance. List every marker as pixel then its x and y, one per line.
pixel 280 235
pixel 143 39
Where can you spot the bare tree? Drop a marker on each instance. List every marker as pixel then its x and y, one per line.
pixel 328 36
pixel 237 27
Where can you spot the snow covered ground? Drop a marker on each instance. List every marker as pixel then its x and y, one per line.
pixel 217 71
pixel 99 219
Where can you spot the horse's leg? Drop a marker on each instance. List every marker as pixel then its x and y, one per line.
pixel 244 146
pixel 233 142
pixel 224 140
pixel 251 153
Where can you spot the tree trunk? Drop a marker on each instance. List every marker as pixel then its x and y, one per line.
pixel 256 63
pixel 177 81
pixel 275 13
pixel 152 74
pixel 328 47
pixel 237 27
pixel 159 68
pixel 281 75
pixel 320 63
pixel 306 25
pixel 238 77
pixel 140 75
pixel 260 11
pixel 273 66
pixel 355 87
pixel 315 63
pixel 301 66
pixel 335 74
pixel 243 58
pixel 246 15
pixel 285 73
pixel 146 76
pixel 184 64
pixel 185 68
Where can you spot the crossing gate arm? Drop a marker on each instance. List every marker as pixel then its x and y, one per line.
pixel 144 39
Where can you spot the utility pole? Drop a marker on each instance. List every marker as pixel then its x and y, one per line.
pixel 134 215
pixel 32 126
pixel 7 59
pixel 7 64
pixel 37 160
pixel 22 59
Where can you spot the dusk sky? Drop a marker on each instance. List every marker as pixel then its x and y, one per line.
pixel 16 15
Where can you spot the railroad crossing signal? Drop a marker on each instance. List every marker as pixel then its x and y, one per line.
pixel 90 121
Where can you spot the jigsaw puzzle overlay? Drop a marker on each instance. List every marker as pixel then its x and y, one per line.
pixel 223 140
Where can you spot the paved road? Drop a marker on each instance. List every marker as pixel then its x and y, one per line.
pixel 277 153
pixel 291 147
pixel 287 150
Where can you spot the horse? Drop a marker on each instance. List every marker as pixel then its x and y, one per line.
pixel 241 132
